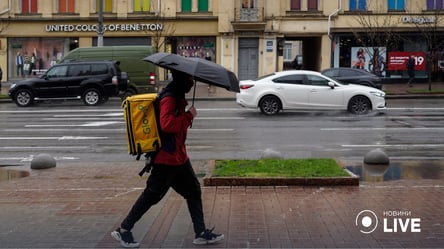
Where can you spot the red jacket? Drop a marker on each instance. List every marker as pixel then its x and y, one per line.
pixel 177 124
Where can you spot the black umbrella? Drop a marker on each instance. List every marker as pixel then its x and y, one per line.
pixel 202 70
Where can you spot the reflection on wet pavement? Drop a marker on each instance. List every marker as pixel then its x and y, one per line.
pixel 9 174
pixel 399 170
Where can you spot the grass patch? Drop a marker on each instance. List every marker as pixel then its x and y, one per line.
pixel 4 96
pixel 278 168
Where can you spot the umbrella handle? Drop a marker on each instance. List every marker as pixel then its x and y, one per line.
pixel 194 93
pixel 192 101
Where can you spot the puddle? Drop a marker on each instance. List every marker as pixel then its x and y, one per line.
pixel 9 174
pixel 429 169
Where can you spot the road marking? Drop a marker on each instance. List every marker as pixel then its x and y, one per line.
pixel 393 145
pixel 17 148
pixel 90 124
pixel 382 128
pixel 53 138
pixel 31 157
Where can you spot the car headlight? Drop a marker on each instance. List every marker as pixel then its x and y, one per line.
pixel 378 94
pixel 13 85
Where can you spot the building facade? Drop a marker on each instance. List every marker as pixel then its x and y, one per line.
pixel 250 37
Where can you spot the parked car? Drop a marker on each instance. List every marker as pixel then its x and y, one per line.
pixel 355 76
pixel 92 81
pixel 302 89
pixel 296 63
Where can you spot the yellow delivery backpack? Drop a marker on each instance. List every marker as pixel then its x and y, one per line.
pixel 141 114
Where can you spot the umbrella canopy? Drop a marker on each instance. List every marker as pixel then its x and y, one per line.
pixel 202 70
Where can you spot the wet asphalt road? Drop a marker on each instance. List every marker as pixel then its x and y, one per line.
pixel 410 129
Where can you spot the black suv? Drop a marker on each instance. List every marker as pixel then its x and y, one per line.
pixel 92 81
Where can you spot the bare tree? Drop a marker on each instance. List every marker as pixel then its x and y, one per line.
pixel 160 36
pixel 375 29
pixel 430 26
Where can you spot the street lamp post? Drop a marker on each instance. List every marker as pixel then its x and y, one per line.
pixel 100 30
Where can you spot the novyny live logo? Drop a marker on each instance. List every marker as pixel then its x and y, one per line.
pixel 393 222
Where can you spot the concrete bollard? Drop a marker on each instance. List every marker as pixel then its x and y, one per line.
pixel 270 153
pixel 43 161
pixel 376 162
pixel 376 156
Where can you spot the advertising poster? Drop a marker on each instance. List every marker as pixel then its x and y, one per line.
pixel 361 58
pixel 398 60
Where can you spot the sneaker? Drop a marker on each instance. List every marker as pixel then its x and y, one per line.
pixel 207 237
pixel 125 238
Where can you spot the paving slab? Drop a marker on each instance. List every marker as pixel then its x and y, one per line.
pixel 77 206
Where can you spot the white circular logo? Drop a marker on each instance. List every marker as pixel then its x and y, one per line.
pixel 366 221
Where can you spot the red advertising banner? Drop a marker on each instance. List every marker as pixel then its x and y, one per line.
pixel 398 60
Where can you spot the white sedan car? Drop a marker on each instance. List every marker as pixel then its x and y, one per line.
pixel 302 90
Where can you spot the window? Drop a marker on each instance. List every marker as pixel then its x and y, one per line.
pixel 97 69
pixel 434 5
pixel 186 5
pixel 295 4
pixel 142 5
pixel 202 6
pixel 290 79
pixel 79 70
pixel 248 4
pixel 107 5
pixel 29 6
pixel 57 72
pixel 396 5
pixel 66 6
pixel 358 5
pixel 288 51
pixel 312 4
pixel 317 81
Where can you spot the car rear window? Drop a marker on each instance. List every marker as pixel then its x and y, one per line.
pixel 97 69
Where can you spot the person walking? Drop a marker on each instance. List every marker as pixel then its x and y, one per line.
pixel 19 61
pixel 411 70
pixel 32 67
pixel 172 167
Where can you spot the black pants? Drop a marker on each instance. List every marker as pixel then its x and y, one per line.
pixel 183 180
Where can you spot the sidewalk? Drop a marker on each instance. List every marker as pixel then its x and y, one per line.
pixel 77 206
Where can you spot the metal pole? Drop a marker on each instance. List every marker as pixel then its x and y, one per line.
pixel 100 30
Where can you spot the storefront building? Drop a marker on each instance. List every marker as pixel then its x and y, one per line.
pixel 250 37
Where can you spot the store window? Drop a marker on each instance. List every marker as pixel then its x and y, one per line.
pixel 28 6
pixel 295 4
pixel 107 6
pixel 396 5
pixel 312 5
pixel 202 6
pixel 358 5
pixel 142 5
pixel 202 47
pixel 186 5
pixel 434 4
pixel 46 52
pixel 66 6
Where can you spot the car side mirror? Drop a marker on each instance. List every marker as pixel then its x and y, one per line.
pixel 331 85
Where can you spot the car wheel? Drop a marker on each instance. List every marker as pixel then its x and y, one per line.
pixel 359 105
pixel 23 97
pixel 270 105
pixel 92 96
pixel 127 93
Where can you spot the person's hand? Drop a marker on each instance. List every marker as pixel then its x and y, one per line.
pixel 193 111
